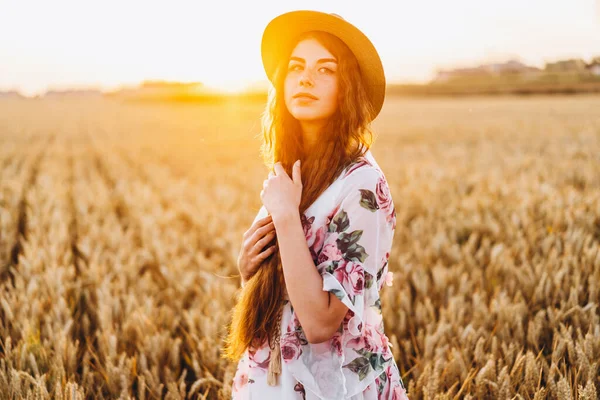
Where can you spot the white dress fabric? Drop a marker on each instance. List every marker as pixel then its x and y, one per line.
pixel 349 230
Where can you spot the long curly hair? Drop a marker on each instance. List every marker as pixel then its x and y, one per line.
pixel 342 141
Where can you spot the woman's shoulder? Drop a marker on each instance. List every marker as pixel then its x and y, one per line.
pixel 364 187
pixel 361 176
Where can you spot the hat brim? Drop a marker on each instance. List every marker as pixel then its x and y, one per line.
pixel 282 31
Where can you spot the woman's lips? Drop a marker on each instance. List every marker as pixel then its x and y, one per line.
pixel 304 99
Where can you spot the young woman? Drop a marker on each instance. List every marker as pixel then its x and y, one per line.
pixel 308 321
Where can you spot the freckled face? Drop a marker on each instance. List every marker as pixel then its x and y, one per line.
pixel 311 69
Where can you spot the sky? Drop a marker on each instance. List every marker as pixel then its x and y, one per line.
pixel 108 44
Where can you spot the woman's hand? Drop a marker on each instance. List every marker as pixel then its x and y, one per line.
pixel 253 251
pixel 281 195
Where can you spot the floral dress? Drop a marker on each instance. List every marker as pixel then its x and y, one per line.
pixel 349 231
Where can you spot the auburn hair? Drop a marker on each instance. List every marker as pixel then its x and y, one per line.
pixel 343 140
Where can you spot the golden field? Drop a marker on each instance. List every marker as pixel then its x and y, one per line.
pixel 120 226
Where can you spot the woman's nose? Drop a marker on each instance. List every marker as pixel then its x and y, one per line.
pixel 305 78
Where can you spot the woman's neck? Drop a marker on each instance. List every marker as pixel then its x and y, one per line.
pixel 311 131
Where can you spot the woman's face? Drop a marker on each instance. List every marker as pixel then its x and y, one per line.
pixel 311 69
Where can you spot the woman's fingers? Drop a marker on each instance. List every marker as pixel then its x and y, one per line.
pixel 262 231
pixel 260 244
pixel 264 221
pixel 258 224
pixel 257 260
pixel 268 251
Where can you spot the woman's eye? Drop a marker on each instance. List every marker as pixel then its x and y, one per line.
pixel 297 67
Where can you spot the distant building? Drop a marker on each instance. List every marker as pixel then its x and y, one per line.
pixel 510 67
pixel 572 65
pixel 594 66
pixel 594 69
pixel 494 69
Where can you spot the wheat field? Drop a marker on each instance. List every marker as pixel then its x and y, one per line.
pixel 120 226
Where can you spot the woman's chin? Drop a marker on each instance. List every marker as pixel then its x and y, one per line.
pixel 305 114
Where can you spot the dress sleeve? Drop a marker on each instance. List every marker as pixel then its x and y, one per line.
pixel 356 239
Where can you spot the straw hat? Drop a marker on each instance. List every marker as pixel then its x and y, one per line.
pixel 281 32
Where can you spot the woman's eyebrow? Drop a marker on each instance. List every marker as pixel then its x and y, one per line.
pixel 320 60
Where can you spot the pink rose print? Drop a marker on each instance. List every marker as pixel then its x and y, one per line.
pixel 321 235
pixel 290 347
pixel 239 381
pixel 259 358
pixel 371 340
pixel 352 277
pixel 358 343
pixel 330 251
pixel 336 343
pixel 317 245
pixel 384 199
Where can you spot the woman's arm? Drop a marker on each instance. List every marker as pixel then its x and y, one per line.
pixel 358 238
pixel 320 314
